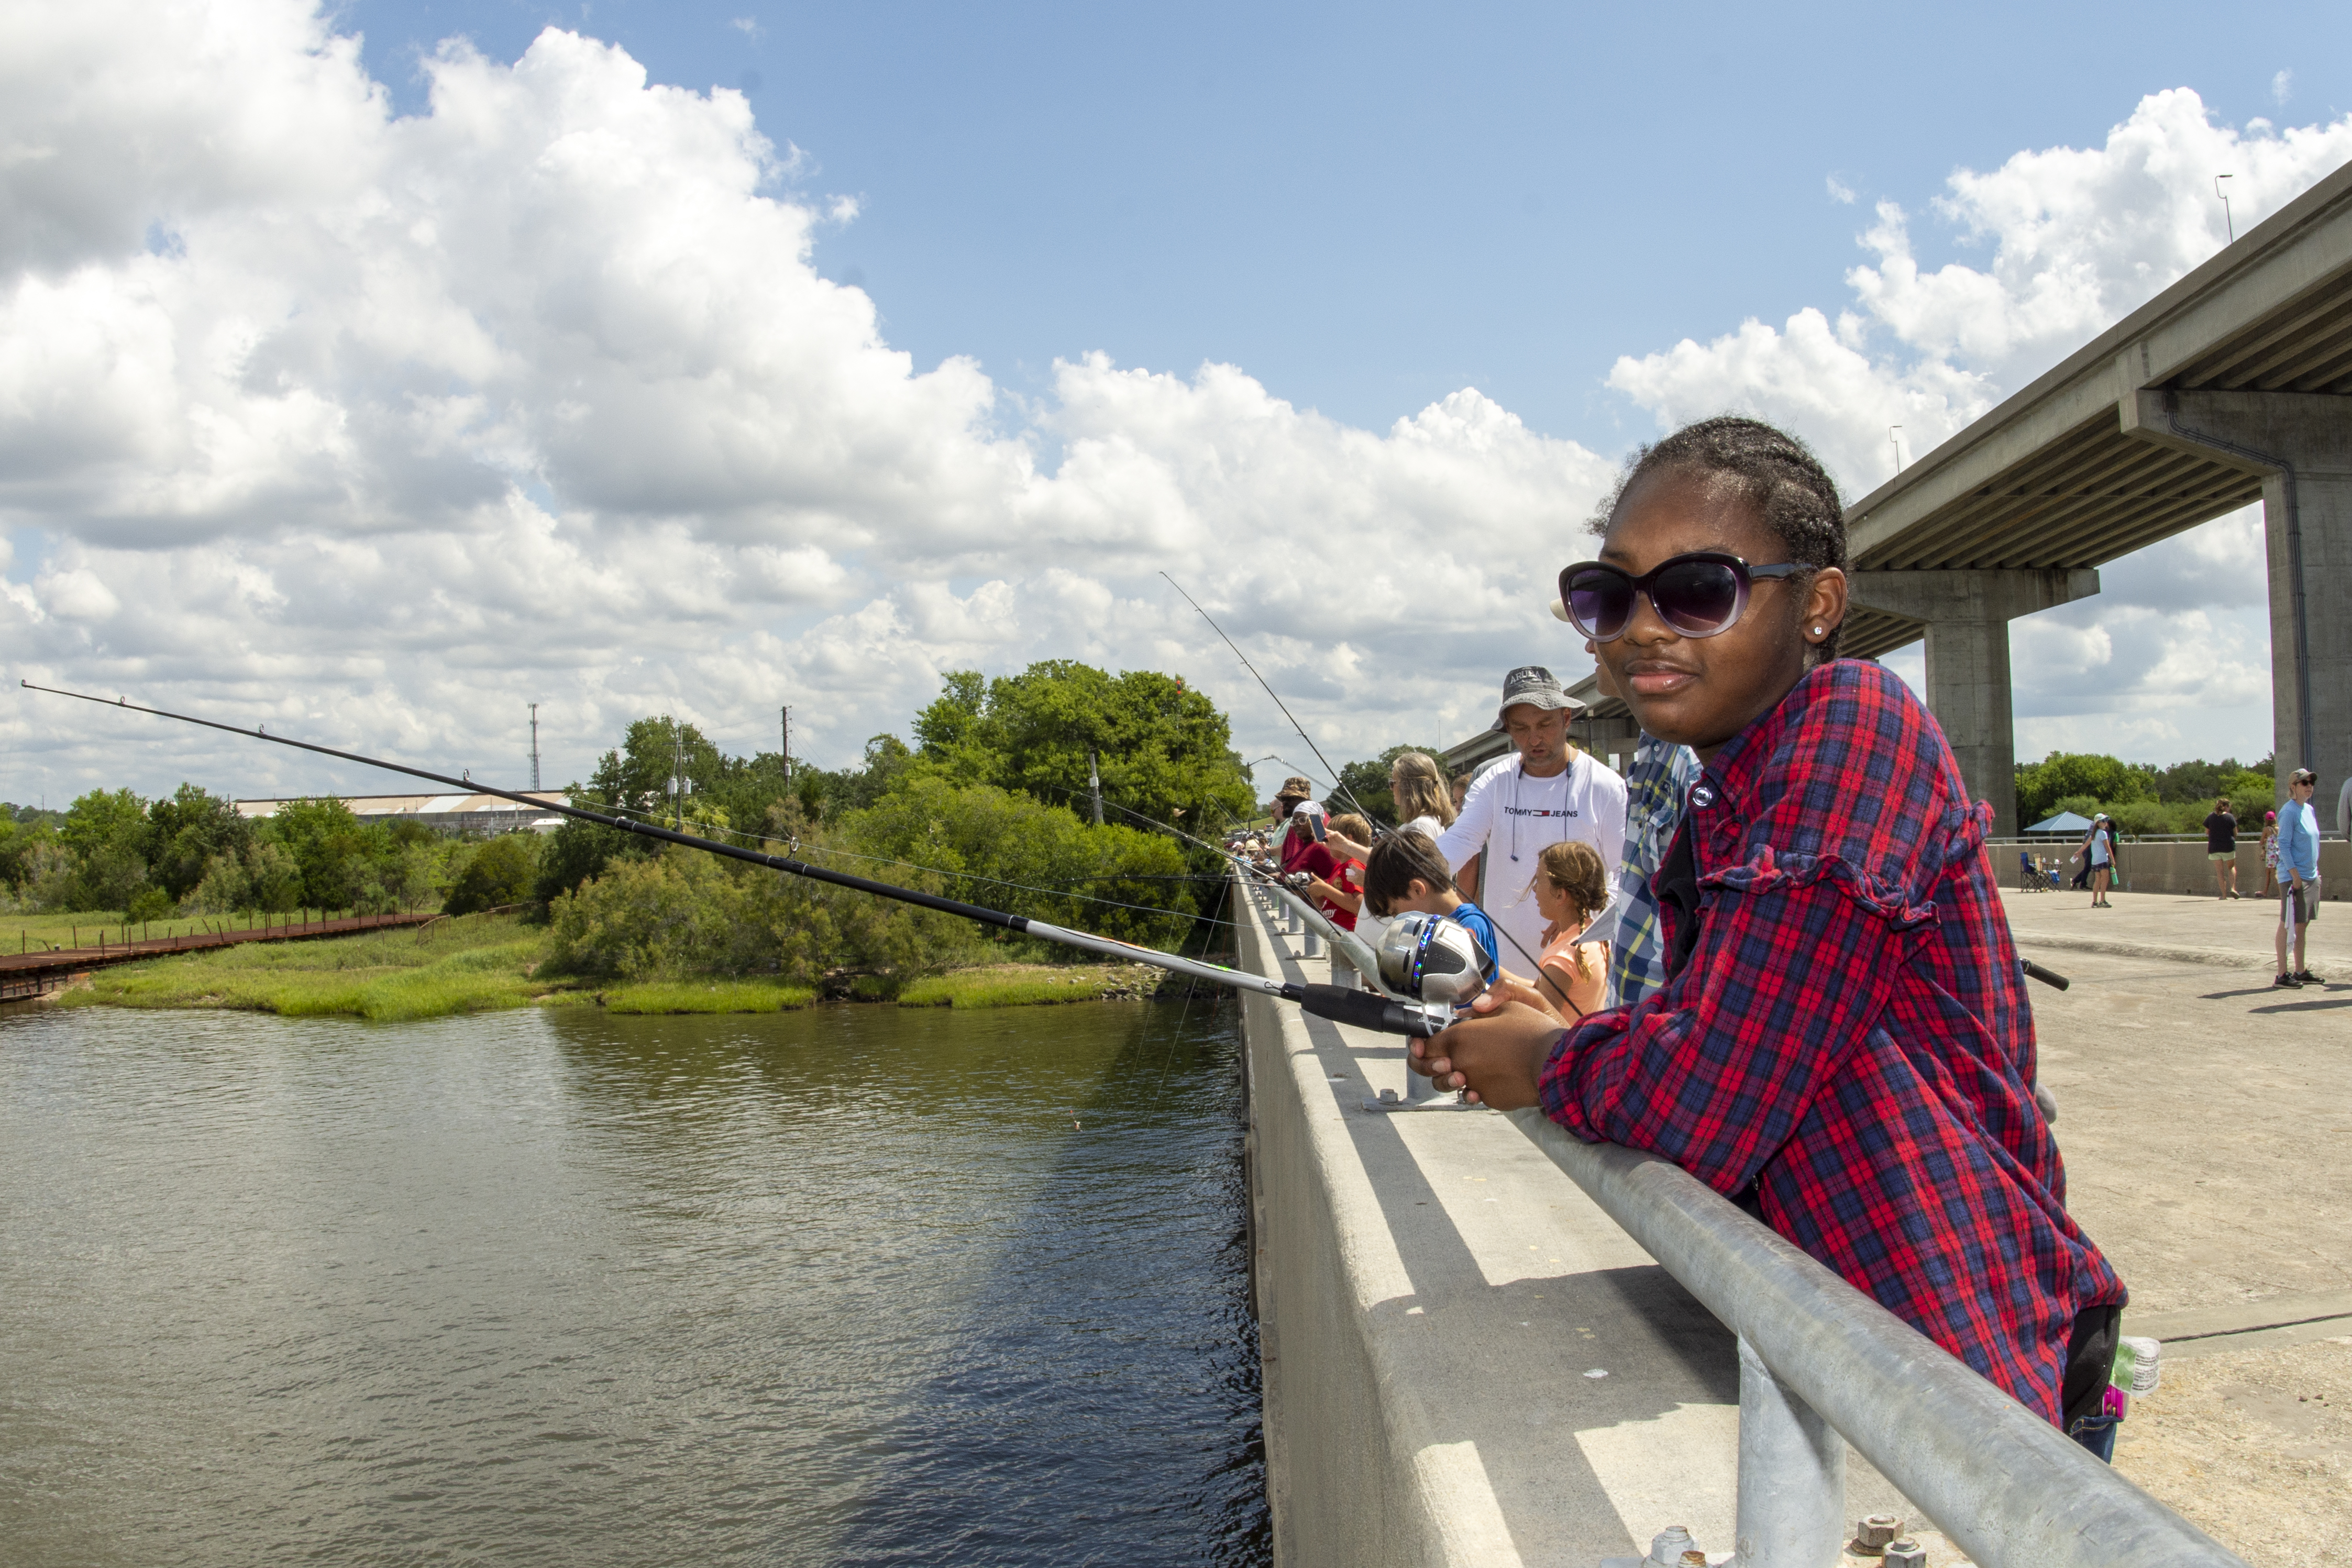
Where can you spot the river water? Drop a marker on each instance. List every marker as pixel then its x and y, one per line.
pixel 849 1286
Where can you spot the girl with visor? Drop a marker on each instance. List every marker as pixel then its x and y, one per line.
pixel 1842 1046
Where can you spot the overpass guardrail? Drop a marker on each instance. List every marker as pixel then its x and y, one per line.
pixel 1822 1364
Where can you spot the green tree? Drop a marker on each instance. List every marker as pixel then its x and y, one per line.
pixel 260 877
pixel 661 763
pixel 345 864
pixel 993 846
pixel 663 770
pixel 105 832
pixel 1165 750
pixel 2041 787
pixel 26 848
pixel 186 832
pixel 500 871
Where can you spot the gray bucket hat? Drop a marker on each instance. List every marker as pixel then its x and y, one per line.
pixel 1534 686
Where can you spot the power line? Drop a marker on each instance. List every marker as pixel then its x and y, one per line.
pixel 1337 783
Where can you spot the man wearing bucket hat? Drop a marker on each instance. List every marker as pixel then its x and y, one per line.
pixel 1544 794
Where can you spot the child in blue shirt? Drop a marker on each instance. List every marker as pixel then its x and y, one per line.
pixel 1407 875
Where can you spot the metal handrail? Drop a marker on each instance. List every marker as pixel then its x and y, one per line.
pixel 2010 1489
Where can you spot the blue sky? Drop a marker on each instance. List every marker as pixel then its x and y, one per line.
pixel 1369 207
pixel 379 431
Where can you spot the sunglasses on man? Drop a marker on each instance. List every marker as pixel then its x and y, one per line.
pixel 1699 594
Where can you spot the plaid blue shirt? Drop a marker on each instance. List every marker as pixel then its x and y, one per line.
pixel 1655 787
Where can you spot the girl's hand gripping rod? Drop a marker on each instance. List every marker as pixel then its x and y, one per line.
pixel 1360 1009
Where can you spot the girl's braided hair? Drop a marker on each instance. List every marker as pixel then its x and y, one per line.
pixel 1771 470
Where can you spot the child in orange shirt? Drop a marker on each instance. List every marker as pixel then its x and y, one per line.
pixel 1571 888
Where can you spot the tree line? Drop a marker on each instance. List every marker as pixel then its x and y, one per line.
pixel 2139 796
pixel 192 852
pixel 990 804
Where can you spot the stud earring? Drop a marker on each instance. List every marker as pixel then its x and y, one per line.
pixel 1817 631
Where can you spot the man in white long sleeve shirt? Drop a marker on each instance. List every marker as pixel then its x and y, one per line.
pixel 1541 795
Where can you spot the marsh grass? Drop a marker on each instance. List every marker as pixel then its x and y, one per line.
pixel 1027 986
pixel 479 964
pixel 469 965
pixel 707 997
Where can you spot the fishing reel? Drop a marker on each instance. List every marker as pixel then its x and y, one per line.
pixel 1297 881
pixel 1432 959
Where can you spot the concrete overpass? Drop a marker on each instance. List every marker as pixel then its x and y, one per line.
pixel 2232 387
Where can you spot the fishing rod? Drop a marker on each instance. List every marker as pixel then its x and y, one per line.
pixel 1344 1004
pixel 1357 951
pixel 1337 782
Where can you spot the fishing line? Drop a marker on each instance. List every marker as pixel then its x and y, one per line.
pixel 1361 1009
pixel 794 843
pixel 1169 1065
pixel 1336 783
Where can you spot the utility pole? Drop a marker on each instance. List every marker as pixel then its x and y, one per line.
pixel 2228 222
pixel 534 745
pixel 1094 784
pixel 784 723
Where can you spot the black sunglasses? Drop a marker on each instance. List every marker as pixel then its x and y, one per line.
pixel 1698 595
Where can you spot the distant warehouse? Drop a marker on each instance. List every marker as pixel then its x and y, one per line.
pixel 481 813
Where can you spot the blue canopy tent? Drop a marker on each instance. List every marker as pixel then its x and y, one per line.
pixel 2065 822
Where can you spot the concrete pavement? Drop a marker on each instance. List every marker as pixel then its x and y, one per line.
pixel 2204 1118
pixel 2175 926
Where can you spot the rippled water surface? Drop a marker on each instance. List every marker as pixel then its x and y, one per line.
pixel 857 1285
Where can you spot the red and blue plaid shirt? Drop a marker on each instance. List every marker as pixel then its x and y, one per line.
pixel 1850 1037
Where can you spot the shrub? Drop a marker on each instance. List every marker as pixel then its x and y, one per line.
pixel 2143 816
pixel 262 878
pixel 500 871
pixel 149 904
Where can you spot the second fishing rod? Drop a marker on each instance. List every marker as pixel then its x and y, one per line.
pixel 1344 1004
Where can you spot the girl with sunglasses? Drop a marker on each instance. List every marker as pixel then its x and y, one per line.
pixel 1842 1045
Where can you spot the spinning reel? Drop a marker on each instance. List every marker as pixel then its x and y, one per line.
pixel 1434 961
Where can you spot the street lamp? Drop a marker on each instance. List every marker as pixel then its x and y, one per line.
pixel 2228 222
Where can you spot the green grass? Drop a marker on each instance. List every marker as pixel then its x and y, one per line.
pixel 479 963
pixel 1023 985
pixel 31 933
pixel 469 965
pixel 707 997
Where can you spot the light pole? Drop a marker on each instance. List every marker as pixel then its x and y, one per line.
pixel 1894 439
pixel 2228 222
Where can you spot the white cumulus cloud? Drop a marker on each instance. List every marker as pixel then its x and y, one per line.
pixel 2062 242
pixel 377 428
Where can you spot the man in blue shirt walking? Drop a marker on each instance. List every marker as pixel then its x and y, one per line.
pixel 2298 869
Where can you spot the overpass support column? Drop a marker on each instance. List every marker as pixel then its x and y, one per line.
pixel 1965 616
pixel 2301 443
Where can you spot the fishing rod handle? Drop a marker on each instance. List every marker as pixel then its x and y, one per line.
pixel 1365 1010
pixel 2047 976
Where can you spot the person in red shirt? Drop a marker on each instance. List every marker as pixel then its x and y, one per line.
pixel 1339 893
pixel 1842 1045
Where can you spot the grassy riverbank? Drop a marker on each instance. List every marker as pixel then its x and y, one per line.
pixel 470 964
pixel 481 963
pixel 1030 985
